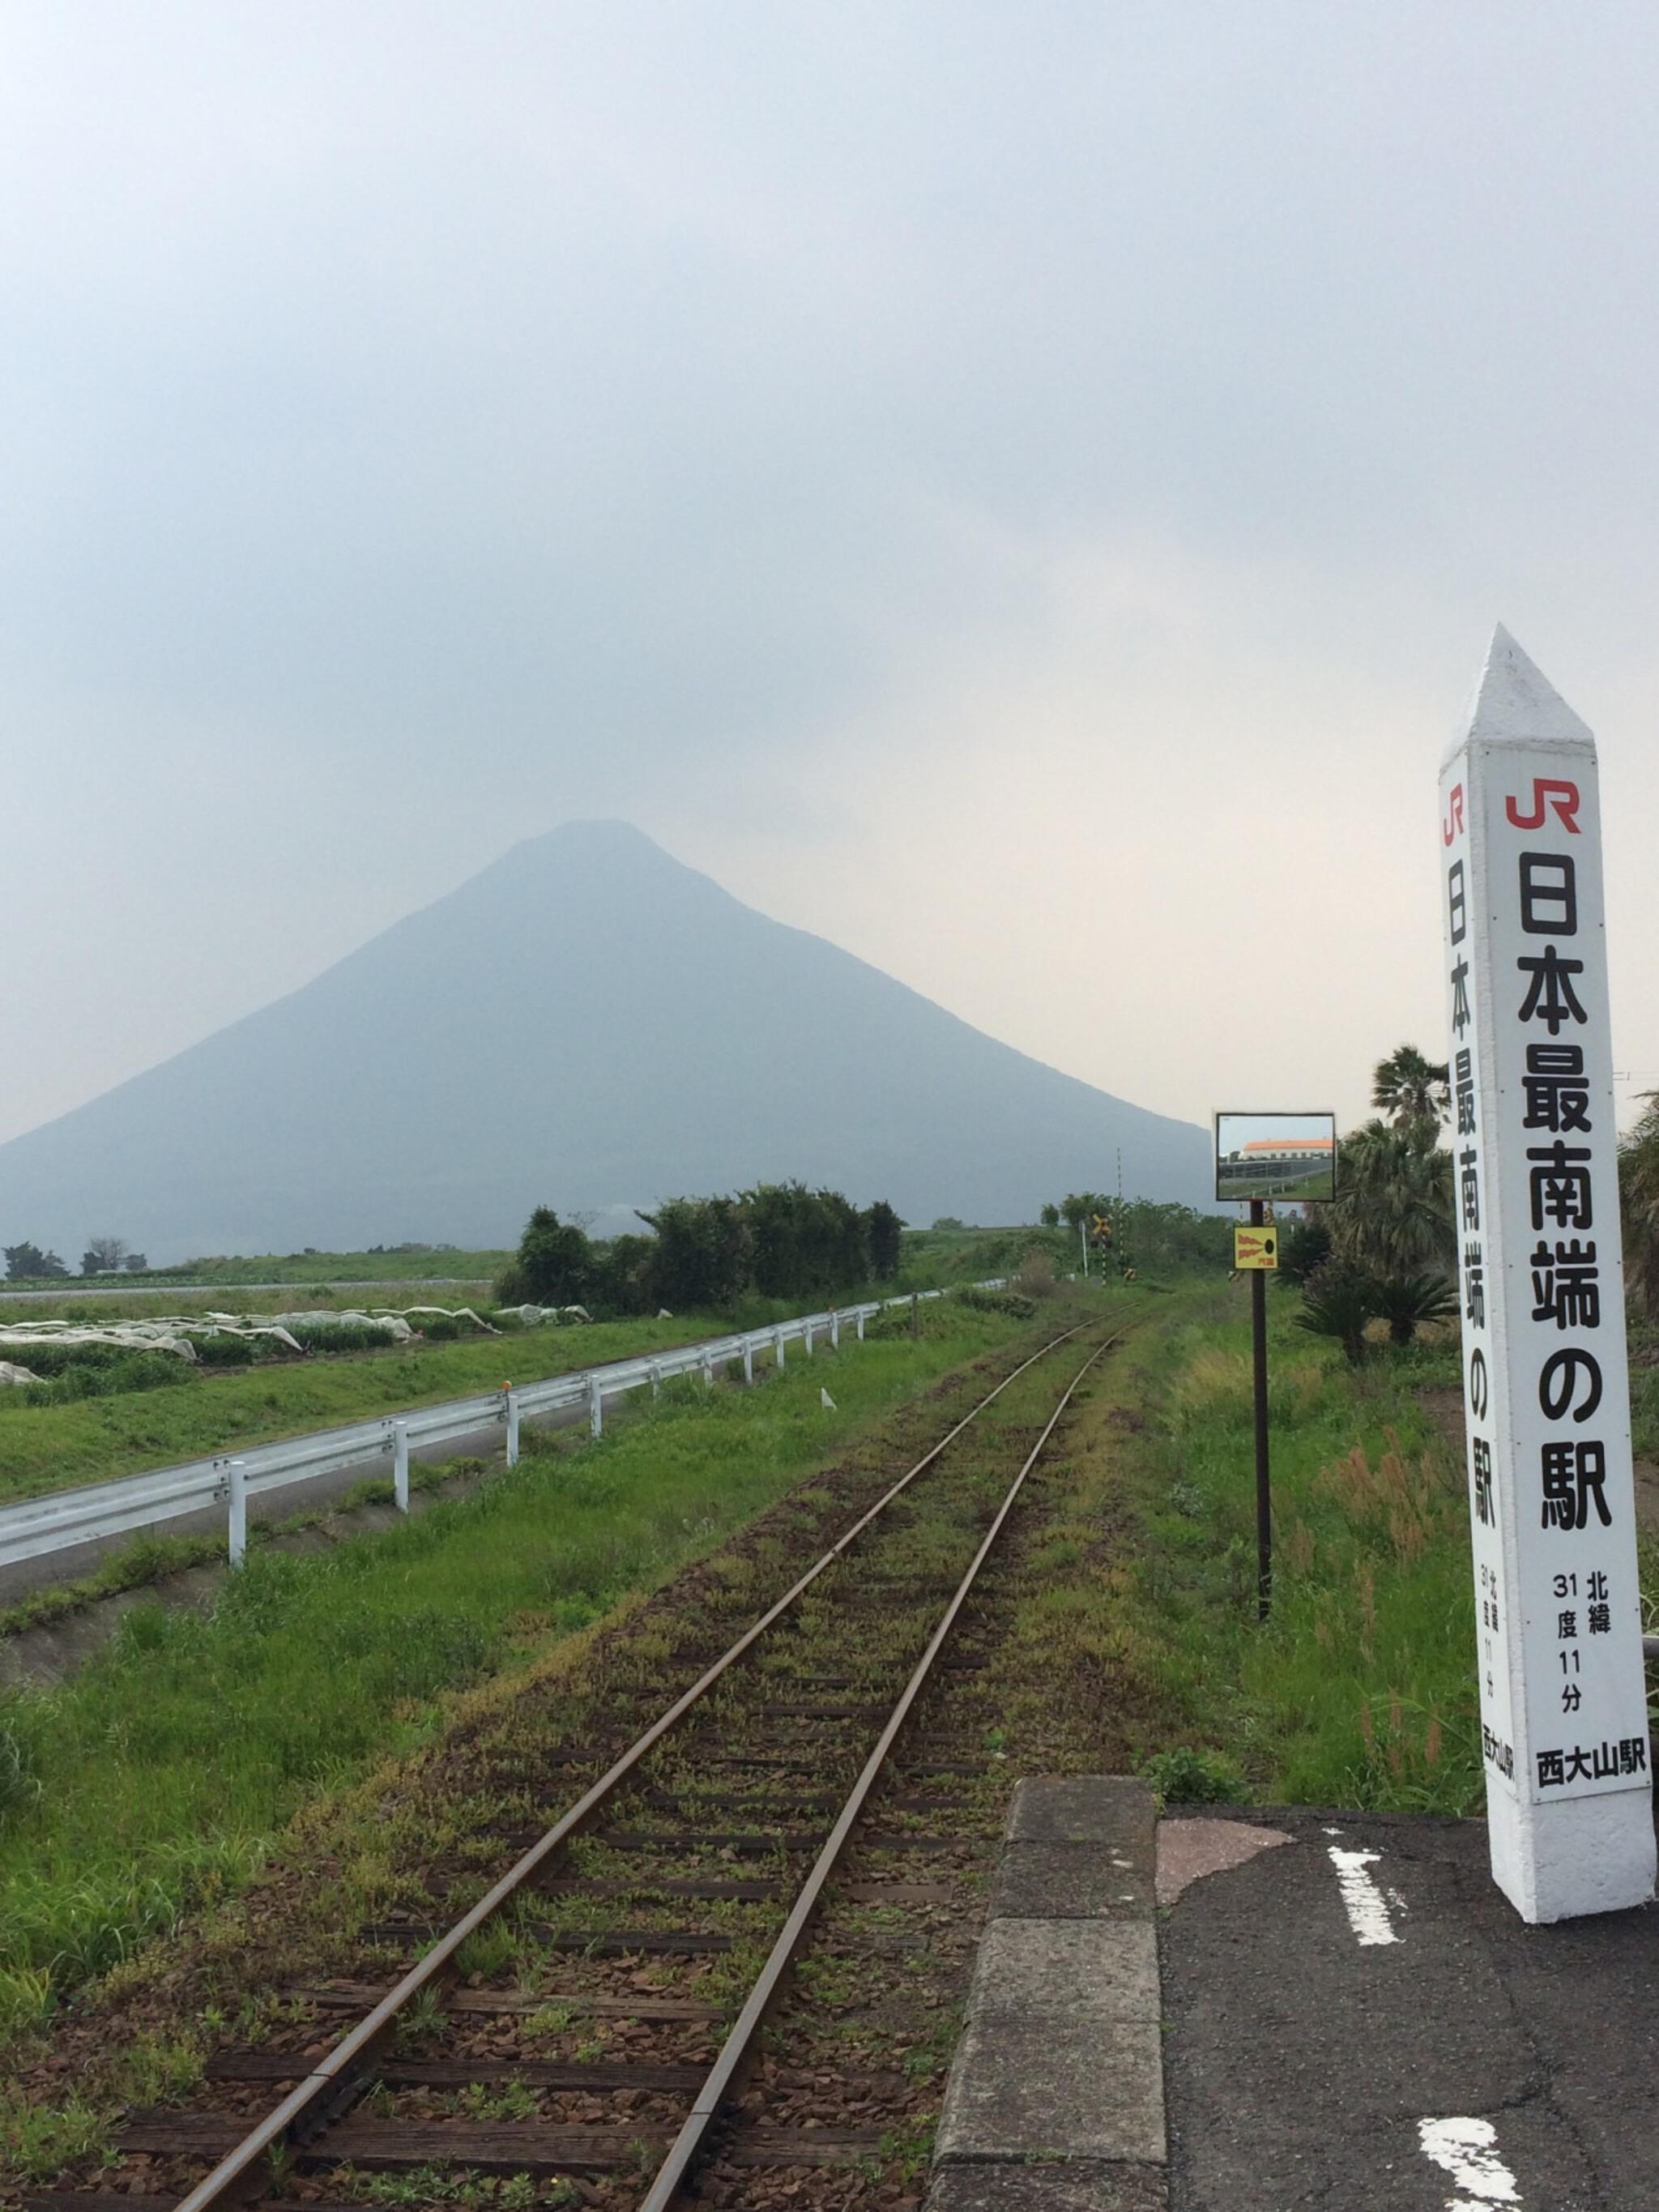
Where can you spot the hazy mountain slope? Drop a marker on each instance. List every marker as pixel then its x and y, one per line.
pixel 586 1024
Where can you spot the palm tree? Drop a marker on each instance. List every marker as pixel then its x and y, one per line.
pixel 1392 1214
pixel 1410 1088
pixel 1639 1204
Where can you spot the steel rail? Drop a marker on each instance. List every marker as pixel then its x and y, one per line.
pixel 675 2170
pixel 234 2177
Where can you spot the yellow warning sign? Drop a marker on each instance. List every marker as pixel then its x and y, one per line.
pixel 1255 1248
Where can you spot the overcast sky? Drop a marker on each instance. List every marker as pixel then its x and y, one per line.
pixel 1021 490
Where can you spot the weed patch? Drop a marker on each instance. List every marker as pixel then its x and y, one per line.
pixel 1360 1690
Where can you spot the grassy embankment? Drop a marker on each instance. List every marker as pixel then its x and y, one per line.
pixel 160 1775
pixel 45 1448
pixel 86 1440
pixel 207 1409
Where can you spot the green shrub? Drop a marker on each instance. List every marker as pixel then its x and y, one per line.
pixel 337 1336
pixel 1339 1302
pixel 1014 1303
pixel 1187 1775
pixel 224 1351
pixel 1405 1302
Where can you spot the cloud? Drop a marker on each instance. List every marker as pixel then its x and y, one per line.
pixel 835 439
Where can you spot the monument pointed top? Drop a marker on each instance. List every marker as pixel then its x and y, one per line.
pixel 1515 700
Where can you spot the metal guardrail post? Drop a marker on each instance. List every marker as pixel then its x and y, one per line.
pixel 512 1397
pixel 707 1372
pixel 807 1338
pixel 748 1359
pixel 596 1403
pixel 860 1320
pixel 238 1512
pixel 35 1527
pixel 835 1330
pixel 400 1465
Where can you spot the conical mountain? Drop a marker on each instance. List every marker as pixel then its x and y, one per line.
pixel 586 1024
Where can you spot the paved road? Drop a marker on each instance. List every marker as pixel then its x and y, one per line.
pixel 1381 2033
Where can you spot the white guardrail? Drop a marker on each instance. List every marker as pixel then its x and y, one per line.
pixel 100 1511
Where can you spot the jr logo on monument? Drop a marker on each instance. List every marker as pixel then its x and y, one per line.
pixel 1562 1703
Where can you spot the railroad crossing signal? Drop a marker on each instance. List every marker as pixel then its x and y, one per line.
pixel 1100 1233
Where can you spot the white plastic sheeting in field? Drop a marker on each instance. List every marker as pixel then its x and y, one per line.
pixel 174 1332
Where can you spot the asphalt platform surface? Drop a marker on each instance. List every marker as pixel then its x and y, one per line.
pixel 1356 2020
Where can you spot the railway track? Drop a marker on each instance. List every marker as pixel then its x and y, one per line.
pixel 607 2023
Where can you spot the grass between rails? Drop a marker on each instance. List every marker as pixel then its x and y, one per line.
pixel 158 1776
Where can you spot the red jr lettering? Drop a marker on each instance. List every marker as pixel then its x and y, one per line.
pixel 1453 824
pixel 1546 790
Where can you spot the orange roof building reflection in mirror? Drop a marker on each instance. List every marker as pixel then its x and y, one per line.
pixel 1284 1156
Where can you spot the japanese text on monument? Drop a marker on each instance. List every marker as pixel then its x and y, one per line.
pixel 1535 1193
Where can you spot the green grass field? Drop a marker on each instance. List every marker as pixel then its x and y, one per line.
pixel 45 1448
pixel 161 1773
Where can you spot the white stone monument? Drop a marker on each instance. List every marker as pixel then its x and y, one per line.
pixel 1535 1147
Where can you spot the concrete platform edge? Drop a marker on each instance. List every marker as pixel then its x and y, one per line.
pixel 1055 2097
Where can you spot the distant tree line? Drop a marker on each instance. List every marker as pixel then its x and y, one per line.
pixel 103 1255
pixel 777 1241
pixel 27 1263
